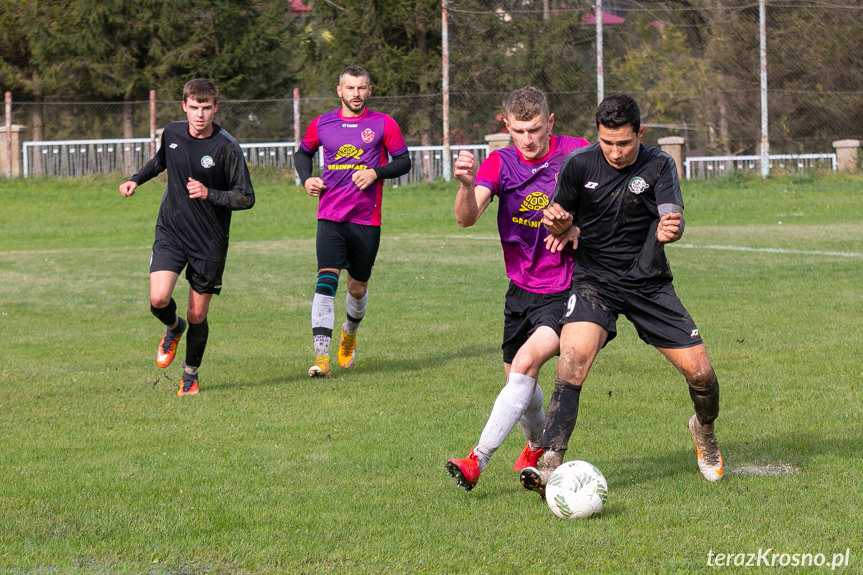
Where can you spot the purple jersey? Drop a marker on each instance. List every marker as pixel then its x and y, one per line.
pixel 352 144
pixel 524 189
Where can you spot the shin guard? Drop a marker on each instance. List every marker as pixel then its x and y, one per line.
pixel 706 400
pixel 560 415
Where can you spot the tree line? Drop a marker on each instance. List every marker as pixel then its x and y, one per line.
pixel 693 64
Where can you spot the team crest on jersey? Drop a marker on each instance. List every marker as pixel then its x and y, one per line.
pixel 348 151
pixel 637 185
pixel 207 162
pixel 534 202
pixel 367 135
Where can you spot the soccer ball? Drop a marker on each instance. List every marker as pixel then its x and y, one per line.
pixel 576 489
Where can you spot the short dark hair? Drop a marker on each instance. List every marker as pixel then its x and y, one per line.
pixel 200 90
pixel 356 71
pixel 618 110
pixel 527 103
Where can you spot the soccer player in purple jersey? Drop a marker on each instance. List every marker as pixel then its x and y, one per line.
pixel 207 180
pixel 356 142
pixel 625 198
pixel 522 177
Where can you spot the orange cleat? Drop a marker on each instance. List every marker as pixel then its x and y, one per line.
pixel 168 346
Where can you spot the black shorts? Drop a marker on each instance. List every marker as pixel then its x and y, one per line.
pixel 656 312
pixel 524 312
pixel 204 276
pixel 345 245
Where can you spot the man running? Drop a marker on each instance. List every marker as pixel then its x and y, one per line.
pixel 523 177
pixel 624 199
pixel 207 180
pixel 356 142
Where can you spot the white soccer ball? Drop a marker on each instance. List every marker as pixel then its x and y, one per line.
pixel 576 489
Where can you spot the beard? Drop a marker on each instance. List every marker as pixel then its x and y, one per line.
pixel 353 106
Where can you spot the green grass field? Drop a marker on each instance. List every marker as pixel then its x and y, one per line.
pixel 104 470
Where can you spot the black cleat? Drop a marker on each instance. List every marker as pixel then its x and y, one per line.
pixel 534 480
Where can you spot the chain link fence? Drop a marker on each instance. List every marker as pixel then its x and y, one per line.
pixel 692 65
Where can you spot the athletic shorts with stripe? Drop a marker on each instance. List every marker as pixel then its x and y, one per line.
pixel 654 309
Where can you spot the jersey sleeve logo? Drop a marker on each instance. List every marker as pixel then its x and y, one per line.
pixel 207 162
pixel 348 151
pixel 367 135
pixel 637 185
pixel 534 202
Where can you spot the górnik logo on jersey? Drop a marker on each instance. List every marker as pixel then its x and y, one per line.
pixel 207 162
pixel 637 185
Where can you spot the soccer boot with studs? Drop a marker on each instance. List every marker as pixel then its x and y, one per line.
pixel 347 349
pixel 321 368
pixel 465 471
pixel 168 346
pixel 535 479
pixel 709 458
pixel 188 384
pixel 528 458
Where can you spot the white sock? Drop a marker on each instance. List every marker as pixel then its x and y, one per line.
pixel 509 406
pixel 355 309
pixel 533 419
pixel 323 319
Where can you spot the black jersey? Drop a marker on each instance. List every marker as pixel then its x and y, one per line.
pixel 617 211
pixel 200 226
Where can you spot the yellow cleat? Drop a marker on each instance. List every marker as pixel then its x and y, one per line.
pixel 347 349
pixel 321 367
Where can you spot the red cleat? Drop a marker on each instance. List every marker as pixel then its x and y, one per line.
pixel 465 471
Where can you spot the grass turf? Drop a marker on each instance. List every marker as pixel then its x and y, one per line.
pixel 105 470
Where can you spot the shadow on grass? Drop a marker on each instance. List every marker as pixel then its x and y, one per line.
pixel 743 457
pixel 366 366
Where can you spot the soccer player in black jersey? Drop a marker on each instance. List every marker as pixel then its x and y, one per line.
pixel 625 199
pixel 207 180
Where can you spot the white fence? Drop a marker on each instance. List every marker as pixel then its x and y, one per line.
pixel 74 158
pixel 706 167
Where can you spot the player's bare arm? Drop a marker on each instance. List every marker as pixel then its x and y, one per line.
pixel 470 200
pixel 128 188
pixel 669 228
pixel 364 178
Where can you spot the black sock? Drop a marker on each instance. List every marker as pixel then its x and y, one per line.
pixel 196 342
pixel 168 314
pixel 560 415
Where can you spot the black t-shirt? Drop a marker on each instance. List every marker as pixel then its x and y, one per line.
pixel 200 226
pixel 617 211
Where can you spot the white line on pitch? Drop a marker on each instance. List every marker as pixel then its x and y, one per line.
pixel 710 247
pixel 771 250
